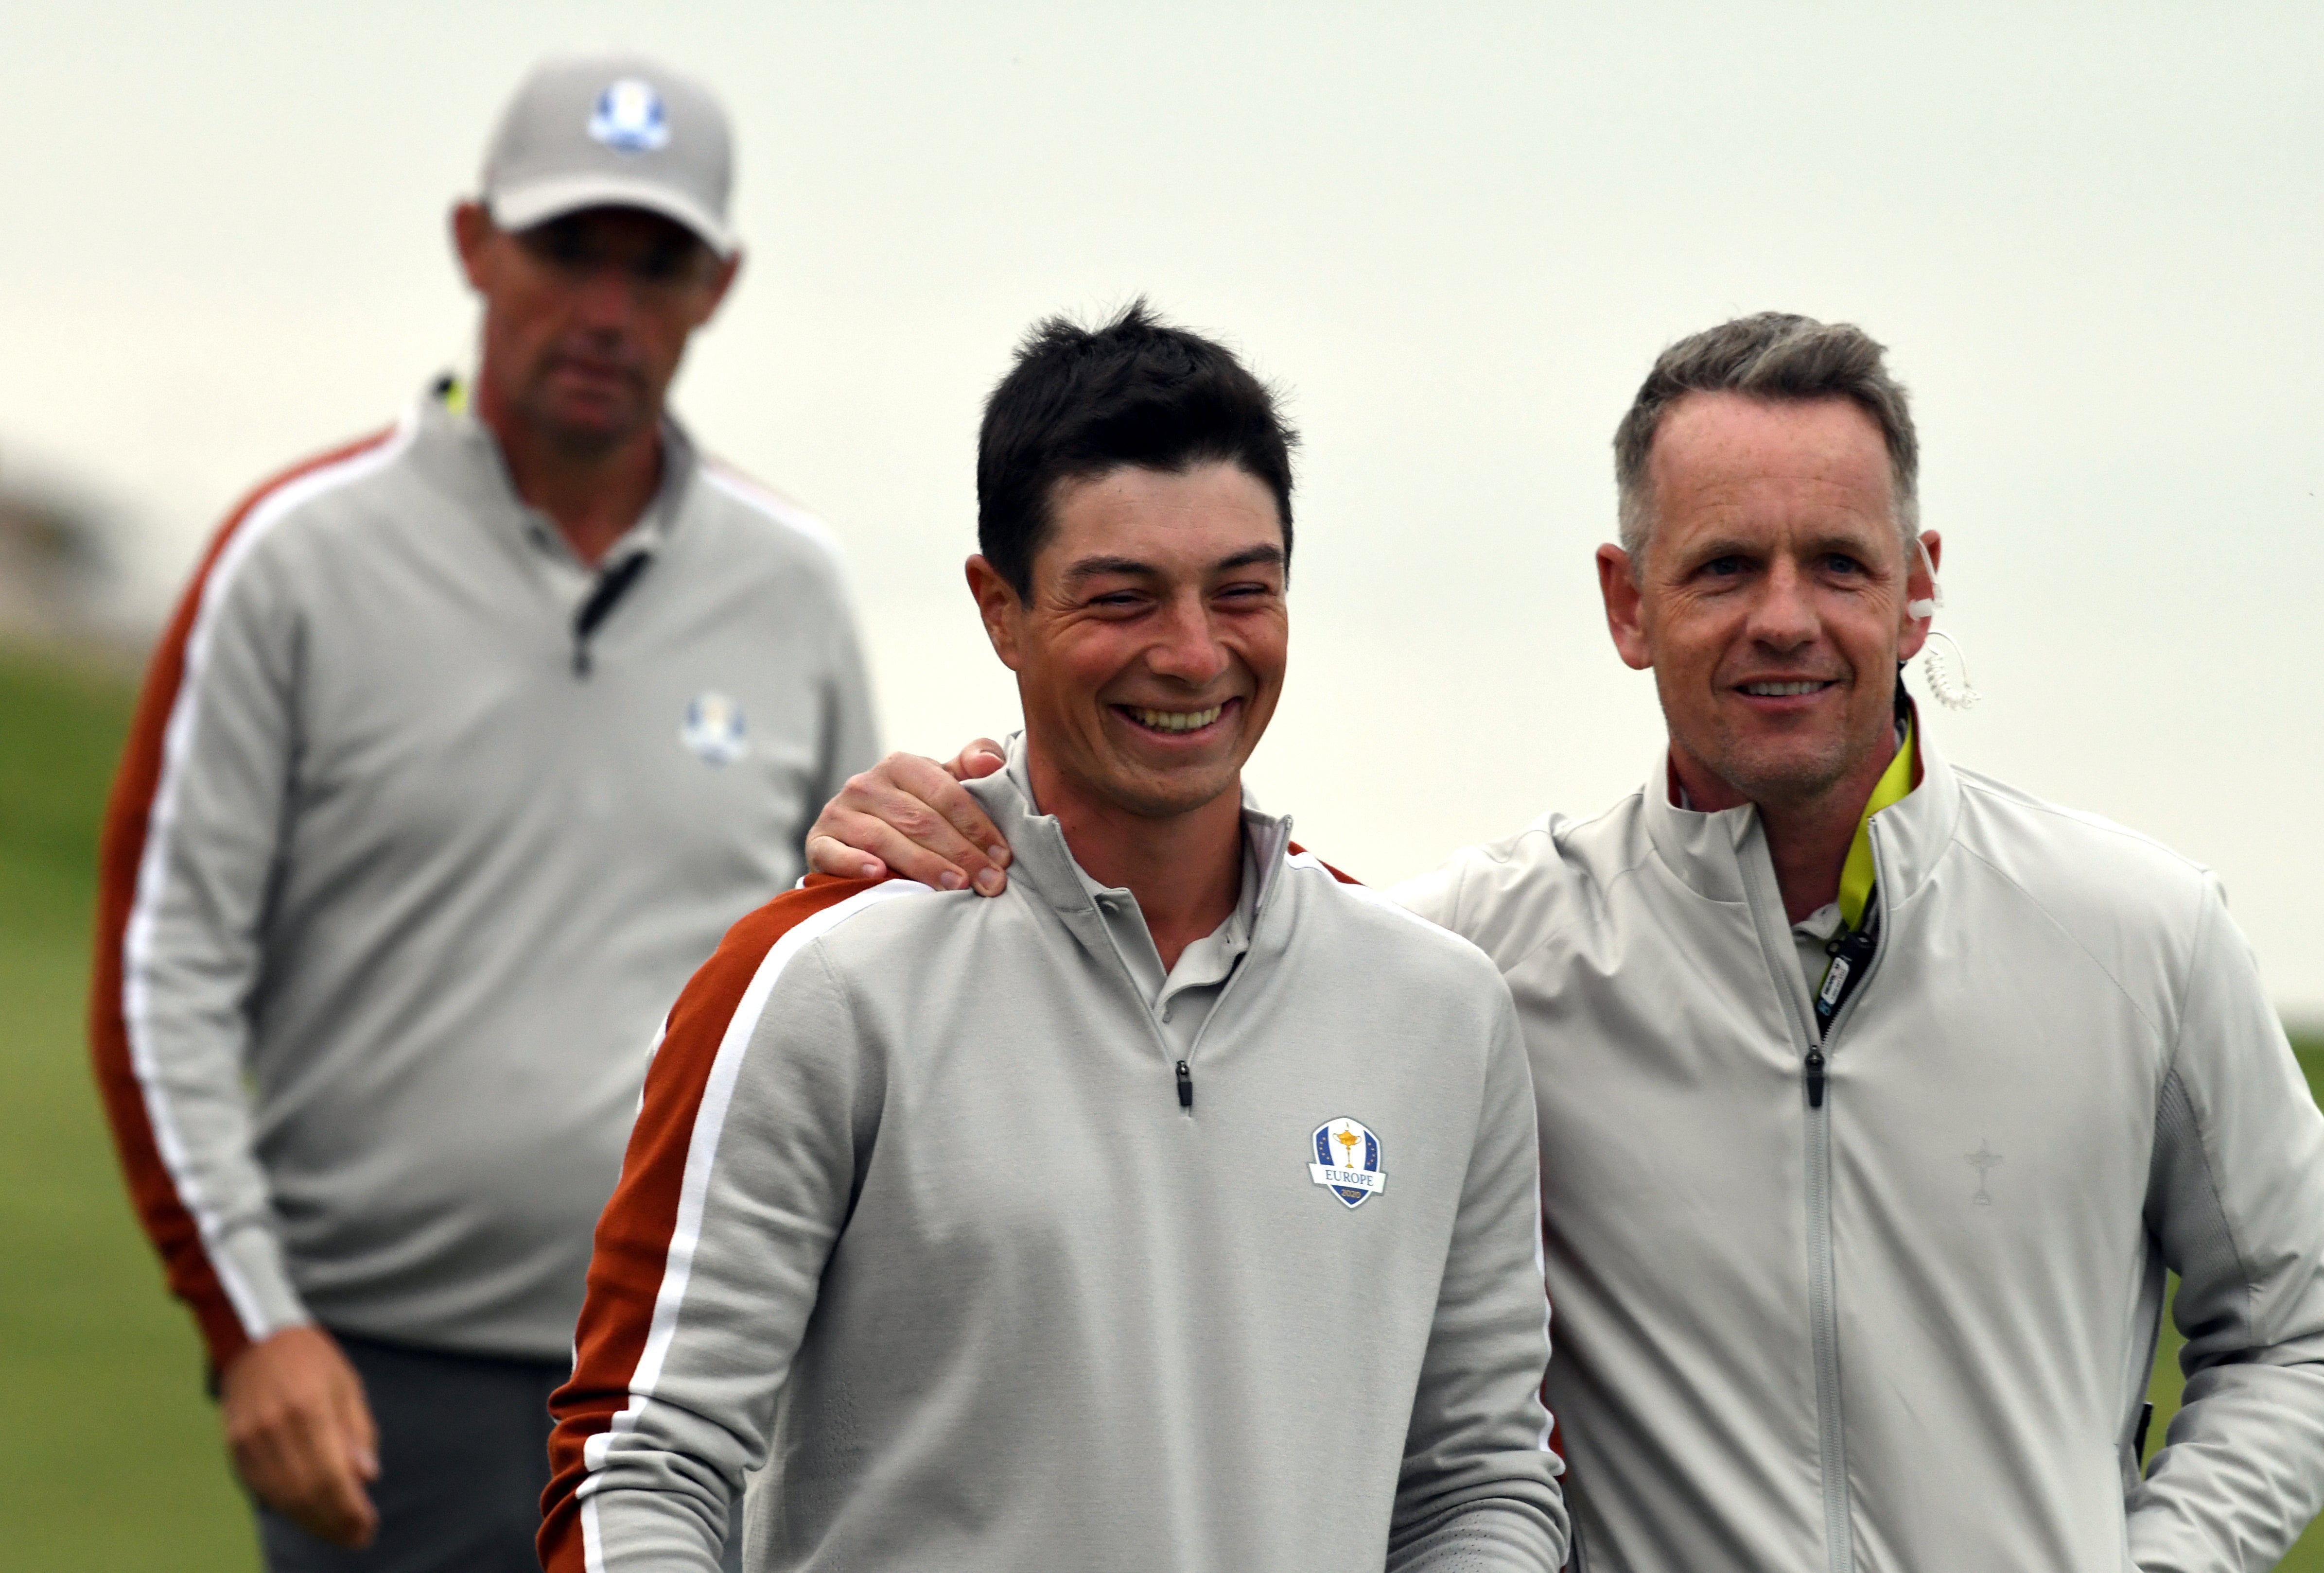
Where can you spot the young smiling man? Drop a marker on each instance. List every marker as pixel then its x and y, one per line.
pixel 1174 1211
pixel 1877 1096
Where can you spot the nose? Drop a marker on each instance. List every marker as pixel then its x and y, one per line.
pixel 1784 616
pixel 606 297
pixel 1186 646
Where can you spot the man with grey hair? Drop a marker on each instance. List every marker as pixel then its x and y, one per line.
pixel 1877 1096
pixel 466 744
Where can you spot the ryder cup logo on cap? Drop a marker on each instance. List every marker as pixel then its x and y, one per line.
pixel 629 117
pixel 1347 1162
pixel 712 730
pixel 610 130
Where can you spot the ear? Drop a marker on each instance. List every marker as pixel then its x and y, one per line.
pixel 473 232
pixel 1618 588
pixel 998 604
pixel 722 280
pixel 1920 596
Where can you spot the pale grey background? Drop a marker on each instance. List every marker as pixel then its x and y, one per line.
pixel 1457 235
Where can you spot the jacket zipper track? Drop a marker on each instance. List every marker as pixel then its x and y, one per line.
pixel 1823 1315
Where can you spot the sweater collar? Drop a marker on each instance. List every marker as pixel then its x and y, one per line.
pixel 1040 861
pixel 458 455
pixel 1706 851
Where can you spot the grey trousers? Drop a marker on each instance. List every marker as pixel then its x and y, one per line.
pixel 463 1460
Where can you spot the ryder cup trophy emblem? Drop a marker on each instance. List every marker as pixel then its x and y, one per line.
pixel 1347 1162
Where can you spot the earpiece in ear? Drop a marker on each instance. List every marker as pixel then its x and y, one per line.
pixel 1927 605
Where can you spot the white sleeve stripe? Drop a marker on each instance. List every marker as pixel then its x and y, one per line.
pixel 761 501
pixel 593 1542
pixel 153 867
pixel 701 1158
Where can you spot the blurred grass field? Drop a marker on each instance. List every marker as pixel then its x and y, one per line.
pixel 112 1461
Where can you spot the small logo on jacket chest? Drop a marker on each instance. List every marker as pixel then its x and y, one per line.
pixel 713 729
pixel 1984 1161
pixel 1347 1161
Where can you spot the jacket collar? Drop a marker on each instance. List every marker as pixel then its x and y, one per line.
pixel 1041 863
pixel 459 455
pixel 1705 851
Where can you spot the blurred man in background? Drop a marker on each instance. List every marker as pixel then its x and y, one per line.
pixel 1875 1097
pixel 466 743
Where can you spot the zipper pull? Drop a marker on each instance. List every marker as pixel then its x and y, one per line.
pixel 1185 1086
pixel 1815 1078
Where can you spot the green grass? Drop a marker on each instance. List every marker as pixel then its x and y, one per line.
pixel 112 1460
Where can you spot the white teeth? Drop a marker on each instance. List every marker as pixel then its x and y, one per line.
pixel 1780 690
pixel 1176 720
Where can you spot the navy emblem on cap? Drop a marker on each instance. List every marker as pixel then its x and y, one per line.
pixel 629 118
pixel 1347 1161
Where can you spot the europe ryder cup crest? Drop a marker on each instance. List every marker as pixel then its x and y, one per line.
pixel 712 730
pixel 629 118
pixel 1348 1161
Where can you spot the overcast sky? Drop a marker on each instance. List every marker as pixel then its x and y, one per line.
pixel 2093 237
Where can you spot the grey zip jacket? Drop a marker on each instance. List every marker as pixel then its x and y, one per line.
pixel 921 1208
pixel 1910 1327
pixel 407 855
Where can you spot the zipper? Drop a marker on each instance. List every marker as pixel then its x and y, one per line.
pixel 604 595
pixel 1781 957
pixel 1274 875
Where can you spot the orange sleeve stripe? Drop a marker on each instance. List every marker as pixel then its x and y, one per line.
pixel 168 1223
pixel 631 1251
pixel 1343 879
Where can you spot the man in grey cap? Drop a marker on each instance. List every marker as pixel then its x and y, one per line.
pixel 466 743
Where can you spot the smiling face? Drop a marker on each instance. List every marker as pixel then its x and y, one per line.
pixel 1771 605
pixel 586 317
pixel 1150 650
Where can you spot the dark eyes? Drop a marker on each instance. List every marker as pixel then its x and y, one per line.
pixel 1129 599
pixel 574 249
pixel 1829 562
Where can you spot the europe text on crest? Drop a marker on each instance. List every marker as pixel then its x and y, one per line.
pixel 1347 1161
pixel 713 729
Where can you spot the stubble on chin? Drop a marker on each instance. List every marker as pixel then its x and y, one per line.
pixel 1784 777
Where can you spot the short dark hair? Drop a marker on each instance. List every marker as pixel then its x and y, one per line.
pixel 1082 401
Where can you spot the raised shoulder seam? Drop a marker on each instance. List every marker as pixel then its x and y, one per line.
pixel 762 501
pixel 2247 1280
pixel 1549 825
pixel 2160 1037
pixel 844 991
pixel 2000 795
pixel 1627 872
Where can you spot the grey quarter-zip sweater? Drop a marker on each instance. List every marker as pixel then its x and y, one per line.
pixel 922 1212
pixel 1898 1316
pixel 420 826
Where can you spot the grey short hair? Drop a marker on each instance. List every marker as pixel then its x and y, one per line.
pixel 1772 355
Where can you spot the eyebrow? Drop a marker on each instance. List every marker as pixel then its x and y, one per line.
pixel 1131 567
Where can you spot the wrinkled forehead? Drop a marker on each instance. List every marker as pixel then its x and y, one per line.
pixel 1771 467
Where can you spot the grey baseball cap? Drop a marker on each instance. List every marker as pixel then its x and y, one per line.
pixel 612 131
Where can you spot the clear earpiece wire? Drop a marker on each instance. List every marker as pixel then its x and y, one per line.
pixel 1941 680
pixel 1933 666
